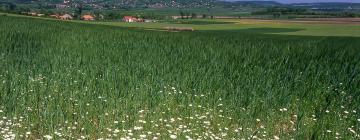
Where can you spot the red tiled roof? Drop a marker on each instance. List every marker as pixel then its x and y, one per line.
pixel 129 17
pixel 87 17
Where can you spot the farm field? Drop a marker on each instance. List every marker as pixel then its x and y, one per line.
pixel 304 27
pixel 68 80
pixel 285 27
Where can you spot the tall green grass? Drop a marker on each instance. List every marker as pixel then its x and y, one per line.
pixel 77 81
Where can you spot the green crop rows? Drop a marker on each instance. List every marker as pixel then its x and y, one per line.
pixel 62 80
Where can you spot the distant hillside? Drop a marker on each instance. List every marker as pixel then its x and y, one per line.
pixel 222 5
pixel 124 3
pixel 251 3
pixel 189 3
pixel 155 3
pixel 329 7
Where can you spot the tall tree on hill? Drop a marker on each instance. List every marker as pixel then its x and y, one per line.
pixel 78 8
pixel 204 15
pixel 110 16
pixel 193 15
pixel 182 14
pixel 12 6
pixel 276 15
pixel 187 15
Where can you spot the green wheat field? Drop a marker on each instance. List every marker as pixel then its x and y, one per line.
pixel 65 80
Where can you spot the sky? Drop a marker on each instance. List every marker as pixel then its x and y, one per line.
pixel 308 1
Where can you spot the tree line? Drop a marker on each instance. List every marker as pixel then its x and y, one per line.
pixel 278 12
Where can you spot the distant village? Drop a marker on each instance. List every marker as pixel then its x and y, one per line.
pixel 87 17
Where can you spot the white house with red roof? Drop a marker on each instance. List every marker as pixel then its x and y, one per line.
pixel 130 19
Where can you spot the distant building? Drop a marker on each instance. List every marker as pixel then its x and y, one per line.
pixel 130 19
pixel 32 14
pixel 87 17
pixel 61 6
pixel 177 17
pixel 66 1
pixel 149 20
pixel 40 15
pixel 66 17
pixel 140 20
pixel 54 16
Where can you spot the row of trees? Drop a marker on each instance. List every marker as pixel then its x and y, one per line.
pixel 8 7
pixel 188 15
pixel 278 12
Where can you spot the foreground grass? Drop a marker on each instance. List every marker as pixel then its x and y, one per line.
pixel 77 81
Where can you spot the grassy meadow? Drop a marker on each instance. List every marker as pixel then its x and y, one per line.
pixel 66 80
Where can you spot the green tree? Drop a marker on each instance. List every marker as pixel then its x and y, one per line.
pixel 182 14
pixel 111 16
pixel 193 15
pixel 12 6
pixel 79 8
pixel 204 16
pixel 187 15
pixel 276 15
